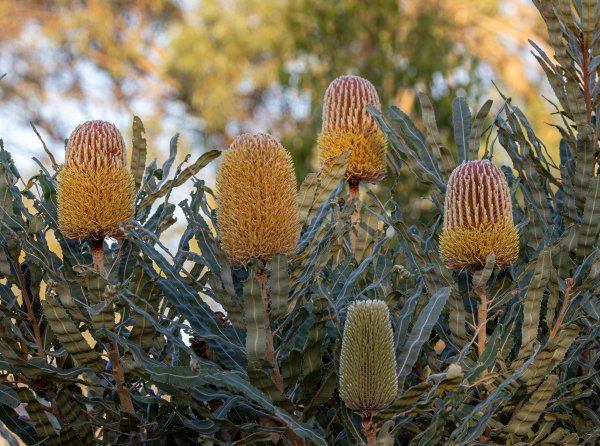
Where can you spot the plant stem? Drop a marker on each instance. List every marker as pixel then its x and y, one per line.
pixel 97 247
pixel 261 276
pixel 482 310
pixel 370 430
pixel 565 306
pixel 119 376
pixel 111 348
pixel 355 194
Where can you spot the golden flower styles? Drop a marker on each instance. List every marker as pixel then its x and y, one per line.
pixel 368 380
pixel 478 218
pixel 347 124
pixel 256 193
pixel 95 187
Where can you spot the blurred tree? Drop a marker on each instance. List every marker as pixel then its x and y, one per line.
pixel 257 64
pixel 50 50
pixel 254 63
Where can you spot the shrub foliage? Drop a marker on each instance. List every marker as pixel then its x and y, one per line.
pixel 492 356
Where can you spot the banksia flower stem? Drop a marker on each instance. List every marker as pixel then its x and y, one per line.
pixel 370 430
pixel 354 188
pixel 482 310
pixel 112 350
pixel 119 377
pixel 565 306
pixel 261 276
pixel 97 247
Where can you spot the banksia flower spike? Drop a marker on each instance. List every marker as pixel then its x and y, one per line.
pixel 95 187
pixel 478 218
pixel 368 380
pixel 347 124
pixel 256 194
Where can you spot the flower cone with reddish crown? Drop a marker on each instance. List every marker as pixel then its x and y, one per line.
pixel 95 188
pixel 478 218
pixel 256 194
pixel 347 124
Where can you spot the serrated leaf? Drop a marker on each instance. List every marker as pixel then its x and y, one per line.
pixel 184 376
pixel 323 394
pixel 346 291
pixel 407 354
pixel 8 397
pixel 428 115
pixel 280 286
pixel 99 307
pixel 461 122
pixel 78 429
pixel 312 357
pixel 481 278
pixel 589 18
pixel 485 408
pixel 306 195
pixel 550 356
pixel 220 276
pixel 433 433
pixel 69 335
pixel 457 315
pixel 258 336
pixel 528 414
pixel 400 149
pixel 405 316
pixel 138 152
pixel 590 224
pixel 554 29
pixel 413 135
pixel 144 289
pixel 327 182
pixel 434 140
pixel 585 163
pixel 24 431
pixel 408 398
pixel 475 136
pixel 38 417
pixel 533 302
pixel 183 176
pixel 368 231
pixel 552 301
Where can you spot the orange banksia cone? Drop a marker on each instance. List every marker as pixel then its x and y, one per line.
pixel 347 124
pixel 256 193
pixel 95 187
pixel 478 218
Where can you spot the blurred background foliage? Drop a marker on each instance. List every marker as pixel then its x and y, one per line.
pixel 257 65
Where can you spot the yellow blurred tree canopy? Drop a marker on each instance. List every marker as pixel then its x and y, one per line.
pixel 263 64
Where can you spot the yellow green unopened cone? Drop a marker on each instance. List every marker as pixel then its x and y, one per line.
pixel 478 218
pixel 95 187
pixel 347 124
pixel 368 380
pixel 257 211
